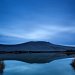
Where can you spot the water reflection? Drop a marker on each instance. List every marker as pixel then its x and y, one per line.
pixel 2 66
pixel 57 67
pixel 73 64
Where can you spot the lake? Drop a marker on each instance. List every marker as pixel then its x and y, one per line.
pixel 57 67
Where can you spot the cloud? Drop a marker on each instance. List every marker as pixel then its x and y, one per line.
pixel 40 32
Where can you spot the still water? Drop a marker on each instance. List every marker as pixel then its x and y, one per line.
pixel 57 67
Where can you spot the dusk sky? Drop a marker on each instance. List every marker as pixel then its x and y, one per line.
pixel 37 20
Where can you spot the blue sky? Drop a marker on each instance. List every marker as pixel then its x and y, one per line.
pixel 33 20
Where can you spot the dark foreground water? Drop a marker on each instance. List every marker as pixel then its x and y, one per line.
pixel 57 67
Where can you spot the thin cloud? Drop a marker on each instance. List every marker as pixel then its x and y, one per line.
pixel 40 32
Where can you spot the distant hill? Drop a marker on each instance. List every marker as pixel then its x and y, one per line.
pixel 34 45
pixel 52 52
